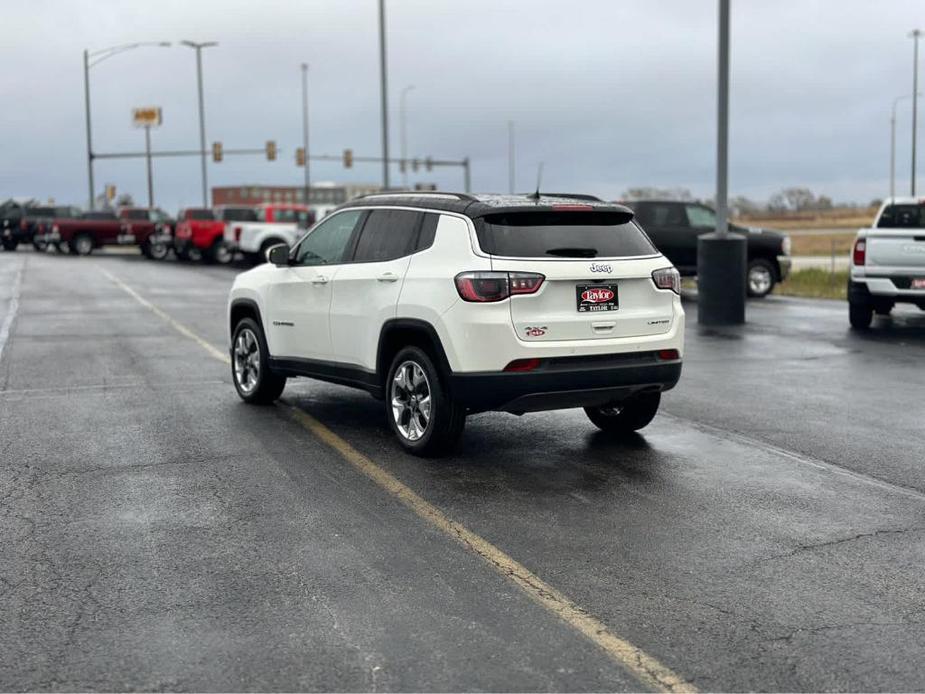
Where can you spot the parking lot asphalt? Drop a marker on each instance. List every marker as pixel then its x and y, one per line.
pixel 765 532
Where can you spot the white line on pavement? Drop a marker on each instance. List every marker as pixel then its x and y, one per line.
pixel 12 309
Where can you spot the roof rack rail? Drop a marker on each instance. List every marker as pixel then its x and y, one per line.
pixel 576 196
pixel 420 193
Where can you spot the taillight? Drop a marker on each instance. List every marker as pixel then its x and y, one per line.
pixel 521 365
pixel 55 229
pixel 860 252
pixel 668 354
pixel 486 287
pixel 22 224
pixel 237 234
pixel 667 278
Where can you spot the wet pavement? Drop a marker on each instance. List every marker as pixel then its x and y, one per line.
pixel 764 532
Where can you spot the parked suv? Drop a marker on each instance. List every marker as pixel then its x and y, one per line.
pixel 446 304
pixel 888 262
pixel 674 227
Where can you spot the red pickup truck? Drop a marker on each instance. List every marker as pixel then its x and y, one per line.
pixel 149 229
pixel 200 236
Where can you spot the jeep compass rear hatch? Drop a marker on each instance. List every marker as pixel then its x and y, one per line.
pixel 597 272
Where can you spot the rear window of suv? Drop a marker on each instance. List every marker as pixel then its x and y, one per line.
pixel 562 235
pixel 903 217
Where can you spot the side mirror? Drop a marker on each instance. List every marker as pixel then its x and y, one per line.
pixel 279 255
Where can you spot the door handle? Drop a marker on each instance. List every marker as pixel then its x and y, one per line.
pixel 388 277
pixel 320 279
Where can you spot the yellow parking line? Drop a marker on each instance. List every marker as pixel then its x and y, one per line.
pixel 179 327
pixel 649 671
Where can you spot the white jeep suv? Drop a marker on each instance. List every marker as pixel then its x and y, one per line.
pixel 446 304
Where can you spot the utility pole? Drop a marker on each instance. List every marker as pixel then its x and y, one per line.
pixel 385 97
pixel 403 116
pixel 307 182
pixel 893 142
pixel 915 102
pixel 721 258
pixel 510 157
pixel 202 118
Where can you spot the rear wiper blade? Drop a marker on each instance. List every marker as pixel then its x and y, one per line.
pixel 573 252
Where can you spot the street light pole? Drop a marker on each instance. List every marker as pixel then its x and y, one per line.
pixel 90 201
pixel 510 157
pixel 385 98
pixel 98 57
pixel 721 257
pixel 893 142
pixel 915 90
pixel 148 158
pixel 402 115
pixel 202 118
pixel 307 181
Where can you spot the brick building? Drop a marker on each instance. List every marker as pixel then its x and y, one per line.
pixel 321 193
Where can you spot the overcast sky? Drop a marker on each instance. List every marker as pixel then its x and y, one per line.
pixel 608 93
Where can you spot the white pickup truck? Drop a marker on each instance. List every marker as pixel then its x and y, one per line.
pixel 276 223
pixel 888 262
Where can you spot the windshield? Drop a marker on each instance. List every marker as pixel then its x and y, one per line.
pixel 203 214
pixel 562 234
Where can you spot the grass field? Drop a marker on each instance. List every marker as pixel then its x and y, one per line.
pixel 821 244
pixel 838 218
pixel 815 283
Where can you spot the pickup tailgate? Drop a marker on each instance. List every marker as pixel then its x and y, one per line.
pixel 896 248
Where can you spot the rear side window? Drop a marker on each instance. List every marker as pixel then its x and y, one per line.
pixel 135 214
pixel 903 217
pixel 387 234
pixel 562 235
pixel 239 214
pixel 428 232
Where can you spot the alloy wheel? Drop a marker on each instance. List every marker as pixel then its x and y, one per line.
pixel 759 280
pixel 411 403
pixel 247 361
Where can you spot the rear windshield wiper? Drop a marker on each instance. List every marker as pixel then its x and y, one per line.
pixel 573 252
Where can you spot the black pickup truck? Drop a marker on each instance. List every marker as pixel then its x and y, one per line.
pixel 674 227
pixel 21 223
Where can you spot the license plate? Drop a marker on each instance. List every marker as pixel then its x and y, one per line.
pixel 918 283
pixel 595 298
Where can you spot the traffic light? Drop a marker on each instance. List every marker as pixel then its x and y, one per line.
pixel 217 151
pixel 348 158
pixel 110 192
pixel 429 163
pixel 300 156
pixel 271 150
pixel 414 164
pixel 401 166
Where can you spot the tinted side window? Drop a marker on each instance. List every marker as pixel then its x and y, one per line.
pixel 428 232
pixel 387 234
pixel 327 242
pixel 668 215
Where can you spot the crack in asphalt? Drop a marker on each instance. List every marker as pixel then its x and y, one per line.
pixel 840 541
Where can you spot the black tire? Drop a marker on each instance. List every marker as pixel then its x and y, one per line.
pixel 220 253
pixel 435 433
pixel 628 416
pixel 82 244
pixel 760 278
pixel 62 248
pixel 10 244
pixel 40 246
pixel 158 250
pixel 265 386
pixel 860 315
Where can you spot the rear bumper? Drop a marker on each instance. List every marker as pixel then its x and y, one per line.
pixel 566 383
pixel 889 289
